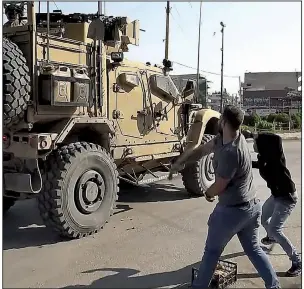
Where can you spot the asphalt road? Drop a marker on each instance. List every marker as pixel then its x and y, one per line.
pixel 156 235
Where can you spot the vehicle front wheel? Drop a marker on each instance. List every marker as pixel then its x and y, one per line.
pixel 80 186
pixel 199 176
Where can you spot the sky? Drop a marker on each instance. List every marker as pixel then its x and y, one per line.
pixel 259 36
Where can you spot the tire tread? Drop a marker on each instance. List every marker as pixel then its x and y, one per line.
pixel 16 84
pixel 191 175
pixel 50 198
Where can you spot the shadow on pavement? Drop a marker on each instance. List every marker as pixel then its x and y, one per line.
pixel 23 227
pixel 256 275
pixel 126 278
pixel 156 192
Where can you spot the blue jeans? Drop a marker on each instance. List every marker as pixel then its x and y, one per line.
pixel 224 223
pixel 274 214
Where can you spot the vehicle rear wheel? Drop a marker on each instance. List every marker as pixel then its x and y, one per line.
pixel 199 176
pixel 7 203
pixel 80 186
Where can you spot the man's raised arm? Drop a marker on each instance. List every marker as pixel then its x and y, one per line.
pixel 193 155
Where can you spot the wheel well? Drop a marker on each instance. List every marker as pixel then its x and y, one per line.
pixel 88 134
pixel 212 126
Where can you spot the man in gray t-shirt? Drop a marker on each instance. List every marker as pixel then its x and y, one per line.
pixel 237 212
pixel 232 161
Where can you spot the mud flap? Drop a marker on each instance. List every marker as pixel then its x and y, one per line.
pixel 30 182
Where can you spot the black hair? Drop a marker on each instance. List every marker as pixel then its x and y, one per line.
pixel 234 116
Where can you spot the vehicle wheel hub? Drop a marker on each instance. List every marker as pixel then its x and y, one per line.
pixel 90 192
pixel 209 170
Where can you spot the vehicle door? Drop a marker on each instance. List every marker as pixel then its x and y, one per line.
pixel 126 102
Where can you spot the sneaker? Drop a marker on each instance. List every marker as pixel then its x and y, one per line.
pixel 267 241
pixel 295 270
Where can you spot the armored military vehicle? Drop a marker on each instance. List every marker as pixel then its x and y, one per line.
pixel 79 117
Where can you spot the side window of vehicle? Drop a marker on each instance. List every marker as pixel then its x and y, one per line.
pixel 163 87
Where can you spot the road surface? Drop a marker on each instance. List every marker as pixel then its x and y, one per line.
pixel 156 235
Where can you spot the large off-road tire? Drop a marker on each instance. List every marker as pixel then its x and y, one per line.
pixel 16 84
pixel 199 176
pixel 7 203
pixel 80 186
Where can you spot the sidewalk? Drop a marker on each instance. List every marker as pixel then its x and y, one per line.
pixel 286 136
pixel 291 135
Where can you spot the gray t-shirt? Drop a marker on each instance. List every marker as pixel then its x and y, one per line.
pixel 233 161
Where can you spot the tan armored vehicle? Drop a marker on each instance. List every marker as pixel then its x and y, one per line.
pixel 78 117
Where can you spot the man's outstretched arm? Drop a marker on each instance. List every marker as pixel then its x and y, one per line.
pixel 191 156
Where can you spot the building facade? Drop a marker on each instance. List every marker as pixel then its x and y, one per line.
pixel 270 92
pixel 181 80
pixel 214 100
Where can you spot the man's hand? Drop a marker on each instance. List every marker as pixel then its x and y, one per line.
pixel 176 167
pixel 208 198
pixel 190 156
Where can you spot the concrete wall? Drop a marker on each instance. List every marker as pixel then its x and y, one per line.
pixel 271 80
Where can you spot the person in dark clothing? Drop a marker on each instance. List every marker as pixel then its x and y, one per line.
pixel 278 207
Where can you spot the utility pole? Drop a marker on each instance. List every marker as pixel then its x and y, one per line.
pixel 167 30
pixel 198 54
pixel 222 65
pixel 240 92
pixel 100 71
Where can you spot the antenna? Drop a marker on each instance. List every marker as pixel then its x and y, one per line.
pixel 167 30
pixel 198 53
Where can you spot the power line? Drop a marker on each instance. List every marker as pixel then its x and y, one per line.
pixel 178 23
pixel 204 71
pixel 194 10
pixel 181 29
pixel 56 5
pixel 176 10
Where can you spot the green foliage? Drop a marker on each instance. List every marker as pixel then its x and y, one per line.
pixel 264 117
pixel 296 120
pixel 264 125
pixel 278 117
pixel 246 127
pixel 267 122
pixel 251 120
pixel 271 117
pixel 282 117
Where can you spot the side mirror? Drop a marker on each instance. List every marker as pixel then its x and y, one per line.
pixel 189 88
pixel 96 30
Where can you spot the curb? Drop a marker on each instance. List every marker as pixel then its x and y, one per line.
pixel 284 137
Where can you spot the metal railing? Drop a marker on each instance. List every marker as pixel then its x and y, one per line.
pixel 277 126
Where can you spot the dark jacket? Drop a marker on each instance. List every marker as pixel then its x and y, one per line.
pixel 272 166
